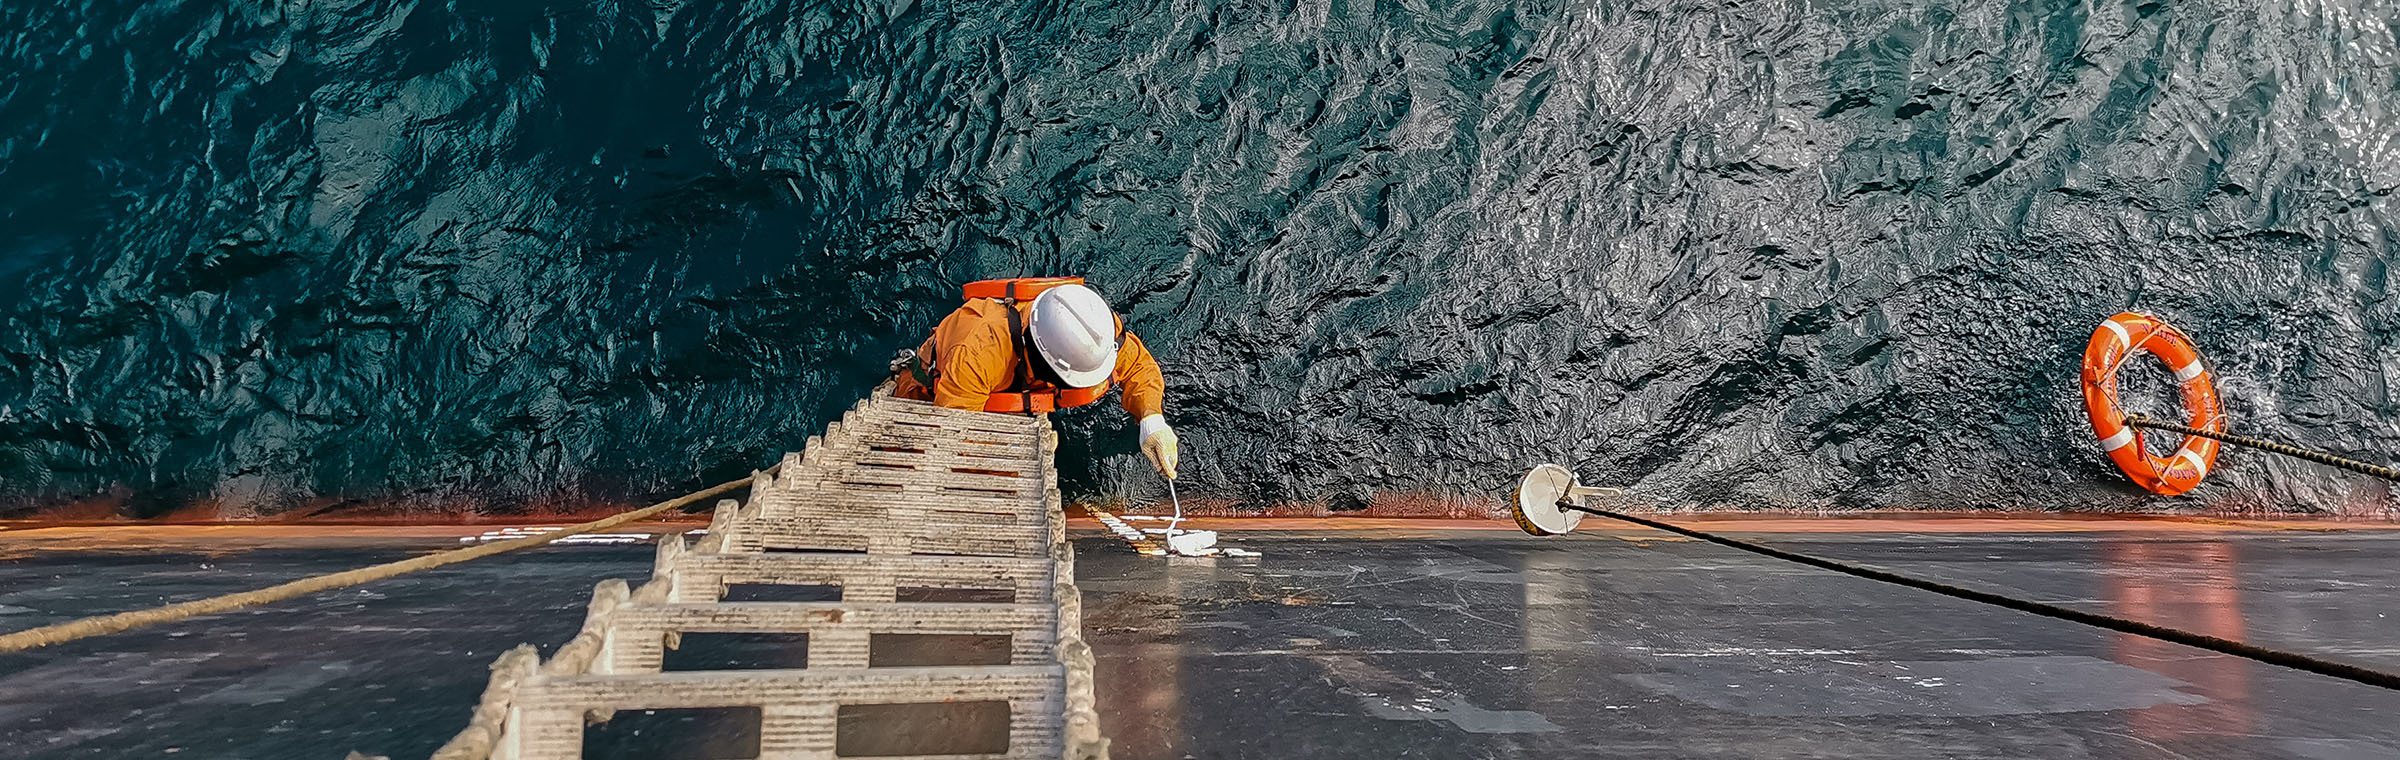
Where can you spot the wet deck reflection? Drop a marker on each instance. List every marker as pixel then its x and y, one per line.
pixel 2195 586
pixel 1487 645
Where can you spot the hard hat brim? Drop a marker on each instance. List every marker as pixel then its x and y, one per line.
pixel 1083 379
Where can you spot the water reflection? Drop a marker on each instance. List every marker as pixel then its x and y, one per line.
pixel 1140 686
pixel 1557 616
pixel 2192 585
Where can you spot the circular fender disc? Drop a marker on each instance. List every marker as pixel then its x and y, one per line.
pixel 1535 504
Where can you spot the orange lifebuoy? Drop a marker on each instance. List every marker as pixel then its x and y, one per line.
pixel 2118 339
pixel 1015 288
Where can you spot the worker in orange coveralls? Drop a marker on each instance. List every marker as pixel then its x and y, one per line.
pixel 1032 345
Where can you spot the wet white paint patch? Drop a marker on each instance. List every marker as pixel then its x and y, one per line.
pixel 2337 749
pixel 1458 712
pixel 1941 688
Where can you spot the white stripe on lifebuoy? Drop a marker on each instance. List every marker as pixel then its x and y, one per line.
pixel 2118 441
pixel 2189 371
pixel 2190 456
pixel 2122 337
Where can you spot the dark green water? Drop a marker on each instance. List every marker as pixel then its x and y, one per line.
pixel 301 255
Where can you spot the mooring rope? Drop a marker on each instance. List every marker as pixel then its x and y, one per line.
pixel 2294 660
pixel 123 621
pixel 2387 473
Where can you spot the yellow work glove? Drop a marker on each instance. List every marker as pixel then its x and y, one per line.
pixel 1158 443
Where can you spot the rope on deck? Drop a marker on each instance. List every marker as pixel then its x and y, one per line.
pixel 124 621
pixel 2294 660
pixel 2386 473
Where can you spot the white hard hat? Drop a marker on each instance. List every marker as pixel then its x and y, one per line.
pixel 1076 334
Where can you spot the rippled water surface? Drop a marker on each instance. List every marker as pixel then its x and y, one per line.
pixel 266 256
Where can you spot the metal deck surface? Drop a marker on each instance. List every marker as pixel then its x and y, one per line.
pixel 1487 645
pixel 1351 643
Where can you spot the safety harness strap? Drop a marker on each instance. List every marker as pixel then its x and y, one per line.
pixel 1025 350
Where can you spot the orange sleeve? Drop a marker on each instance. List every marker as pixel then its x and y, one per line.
pixel 1139 379
pixel 974 358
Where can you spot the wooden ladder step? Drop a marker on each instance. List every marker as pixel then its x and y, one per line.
pixel 799 708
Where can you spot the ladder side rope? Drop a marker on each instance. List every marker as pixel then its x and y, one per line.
pixel 2294 660
pixel 2387 473
pixel 102 625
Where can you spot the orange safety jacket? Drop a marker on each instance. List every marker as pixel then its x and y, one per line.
pixel 978 358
